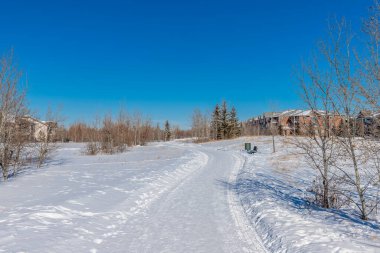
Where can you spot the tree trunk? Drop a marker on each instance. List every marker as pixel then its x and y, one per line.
pixel 359 190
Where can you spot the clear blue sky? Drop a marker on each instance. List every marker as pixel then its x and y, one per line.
pixel 165 58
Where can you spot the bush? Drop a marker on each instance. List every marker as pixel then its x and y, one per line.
pixel 92 148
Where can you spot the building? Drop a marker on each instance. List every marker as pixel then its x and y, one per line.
pixel 36 130
pixel 296 122
pixel 368 123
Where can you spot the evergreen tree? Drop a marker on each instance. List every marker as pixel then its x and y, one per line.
pixel 167 131
pixel 234 128
pixel 224 120
pixel 216 130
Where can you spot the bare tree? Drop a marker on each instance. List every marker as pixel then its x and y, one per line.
pixel 107 135
pixel 319 144
pixel 147 133
pixel 336 91
pixel 12 108
pixel 136 127
pixel 370 86
pixel 157 133
pixel 200 126
pixel 347 103
pixel 113 136
pixel 370 65
pixel 93 144
pixel 45 144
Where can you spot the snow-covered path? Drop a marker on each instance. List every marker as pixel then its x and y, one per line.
pixel 197 215
pixel 172 197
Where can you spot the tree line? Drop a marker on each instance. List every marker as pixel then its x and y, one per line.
pixel 111 135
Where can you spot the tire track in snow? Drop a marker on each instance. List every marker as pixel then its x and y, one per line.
pixel 169 181
pixel 170 224
pixel 152 193
pixel 245 229
pixel 197 164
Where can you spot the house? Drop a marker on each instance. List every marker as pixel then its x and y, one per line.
pixel 36 130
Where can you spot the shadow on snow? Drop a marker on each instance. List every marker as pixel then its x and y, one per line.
pixel 261 187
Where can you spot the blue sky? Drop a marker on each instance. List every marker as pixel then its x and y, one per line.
pixel 165 58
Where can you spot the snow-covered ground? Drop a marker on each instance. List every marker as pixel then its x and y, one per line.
pixel 175 197
pixel 273 191
pixel 166 197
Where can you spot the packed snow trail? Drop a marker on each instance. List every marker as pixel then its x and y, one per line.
pixel 198 215
pixel 171 197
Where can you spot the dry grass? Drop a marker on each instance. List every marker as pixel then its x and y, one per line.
pixel 285 159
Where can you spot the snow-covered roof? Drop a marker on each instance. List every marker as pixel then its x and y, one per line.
pixel 295 113
pixel 292 113
pixel 30 118
pixel 368 114
pixel 271 114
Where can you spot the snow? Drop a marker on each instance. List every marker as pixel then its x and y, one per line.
pixel 165 197
pixel 175 197
pixel 273 191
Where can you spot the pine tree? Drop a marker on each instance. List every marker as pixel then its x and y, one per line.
pixel 167 131
pixel 224 120
pixel 216 131
pixel 234 128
